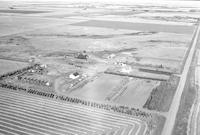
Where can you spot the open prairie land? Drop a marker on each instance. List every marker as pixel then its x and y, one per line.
pixel 116 68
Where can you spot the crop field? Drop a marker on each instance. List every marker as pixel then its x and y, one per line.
pixel 26 114
pixel 99 88
pixel 22 11
pixel 27 84
pixel 160 95
pixel 12 26
pixel 91 69
pixel 7 66
pixel 138 26
pixel 137 92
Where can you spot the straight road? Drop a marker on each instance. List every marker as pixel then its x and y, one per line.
pixel 194 123
pixel 197 82
pixel 171 116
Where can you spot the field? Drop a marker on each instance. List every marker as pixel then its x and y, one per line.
pixel 148 50
pixel 23 114
pixel 189 101
pixel 90 69
pixel 135 90
pixel 22 11
pixel 94 90
pixel 7 66
pixel 162 95
pixel 138 26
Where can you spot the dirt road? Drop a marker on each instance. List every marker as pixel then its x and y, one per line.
pixel 194 123
pixel 171 116
pixel 197 113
